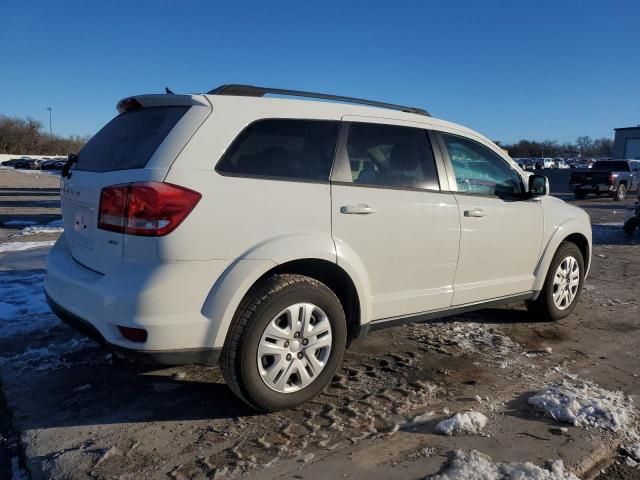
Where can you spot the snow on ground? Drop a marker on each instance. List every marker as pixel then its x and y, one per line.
pixel 611 232
pixel 467 423
pixel 18 223
pixel 51 227
pixel 21 246
pixel 584 404
pixel 50 356
pixel 474 465
pixel 23 307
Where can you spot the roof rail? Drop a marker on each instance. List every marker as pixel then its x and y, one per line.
pixel 251 91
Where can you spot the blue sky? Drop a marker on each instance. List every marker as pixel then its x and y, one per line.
pixel 509 69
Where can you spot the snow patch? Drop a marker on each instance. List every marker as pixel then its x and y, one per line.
pixel 467 423
pixel 18 223
pixel 53 227
pixel 21 246
pixel 584 404
pixel 50 357
pixel 474 465
pixel 23 307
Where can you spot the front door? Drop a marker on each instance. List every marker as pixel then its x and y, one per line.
pixel 389 212
pixel 501 233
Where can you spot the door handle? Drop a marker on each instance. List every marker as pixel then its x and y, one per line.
pixel 474 212
pixel 359 209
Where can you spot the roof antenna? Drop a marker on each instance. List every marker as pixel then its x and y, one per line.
pixel 167 90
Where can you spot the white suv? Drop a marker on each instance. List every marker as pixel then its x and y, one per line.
pixel 267 233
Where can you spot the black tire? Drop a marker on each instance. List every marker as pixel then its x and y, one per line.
pixel 544 308
pixel 261 304
pixel 630 225
pixel 620 193
pixel 580 194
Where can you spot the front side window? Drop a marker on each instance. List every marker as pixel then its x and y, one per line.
pixel 479 170
pixel 391 156
pixel 283 148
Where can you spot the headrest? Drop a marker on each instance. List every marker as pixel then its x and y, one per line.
pixel 404 157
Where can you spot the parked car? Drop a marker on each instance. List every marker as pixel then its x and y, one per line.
pixel 560 163
pixel 297 226
pixel 612 177
pixel 542 163
pixel 53 164
pixel 27 163
pixel 10 162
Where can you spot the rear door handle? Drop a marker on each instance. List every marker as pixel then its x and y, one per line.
pixel 474 212
pixel 359 209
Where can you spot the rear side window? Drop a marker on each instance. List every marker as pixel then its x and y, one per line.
pixel 282 148
pixel 611 166
pixel 391 156
pixel 129 140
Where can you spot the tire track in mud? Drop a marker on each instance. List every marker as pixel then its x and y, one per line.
pixel 369 398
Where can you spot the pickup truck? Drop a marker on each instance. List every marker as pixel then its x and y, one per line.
pixel 612 177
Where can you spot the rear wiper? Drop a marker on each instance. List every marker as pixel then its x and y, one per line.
pixel 66 170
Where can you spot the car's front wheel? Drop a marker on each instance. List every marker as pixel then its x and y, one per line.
pixel 285 343
pixel 563 285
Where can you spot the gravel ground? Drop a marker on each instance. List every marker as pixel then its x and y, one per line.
pixel 80 413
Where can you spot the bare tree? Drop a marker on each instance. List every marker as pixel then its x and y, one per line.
pixel 28 137
pixel 584 144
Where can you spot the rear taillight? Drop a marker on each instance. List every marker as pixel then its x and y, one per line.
pixel 612 179
pixel 149 209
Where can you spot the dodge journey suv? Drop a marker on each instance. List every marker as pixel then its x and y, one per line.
pixel 266 233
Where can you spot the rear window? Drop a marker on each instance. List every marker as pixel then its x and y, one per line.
pixel 129 140
pixel 282 148
pixel 611 166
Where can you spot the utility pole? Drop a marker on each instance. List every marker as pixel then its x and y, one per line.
pixel 50 127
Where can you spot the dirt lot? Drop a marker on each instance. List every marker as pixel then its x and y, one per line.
pixel 73 411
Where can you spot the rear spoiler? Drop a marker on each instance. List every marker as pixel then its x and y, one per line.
pixel 161 100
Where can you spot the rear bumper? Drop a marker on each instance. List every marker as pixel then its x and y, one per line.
pixel 593 188
pixel 164 298
pixel 200 356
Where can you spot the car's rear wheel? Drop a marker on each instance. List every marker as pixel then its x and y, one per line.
pixel 580 194
pixel 563 285
pixel 621 192
pixel 285 343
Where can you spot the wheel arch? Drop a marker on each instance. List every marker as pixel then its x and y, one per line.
pixel 573 231
pixel 334 277
pixel 311 255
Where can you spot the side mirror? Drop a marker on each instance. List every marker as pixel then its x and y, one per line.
pixel 538 185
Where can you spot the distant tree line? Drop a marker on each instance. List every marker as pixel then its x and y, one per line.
pixel 583 146
pixel 28 137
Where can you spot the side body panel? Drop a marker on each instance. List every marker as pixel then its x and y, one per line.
pixel 499 250
pixel 407 247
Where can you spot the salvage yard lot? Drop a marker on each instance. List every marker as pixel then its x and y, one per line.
pixel 78 412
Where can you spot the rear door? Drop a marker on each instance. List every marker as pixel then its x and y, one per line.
pixel 391 212
pixel 501 234
pixel 137 145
